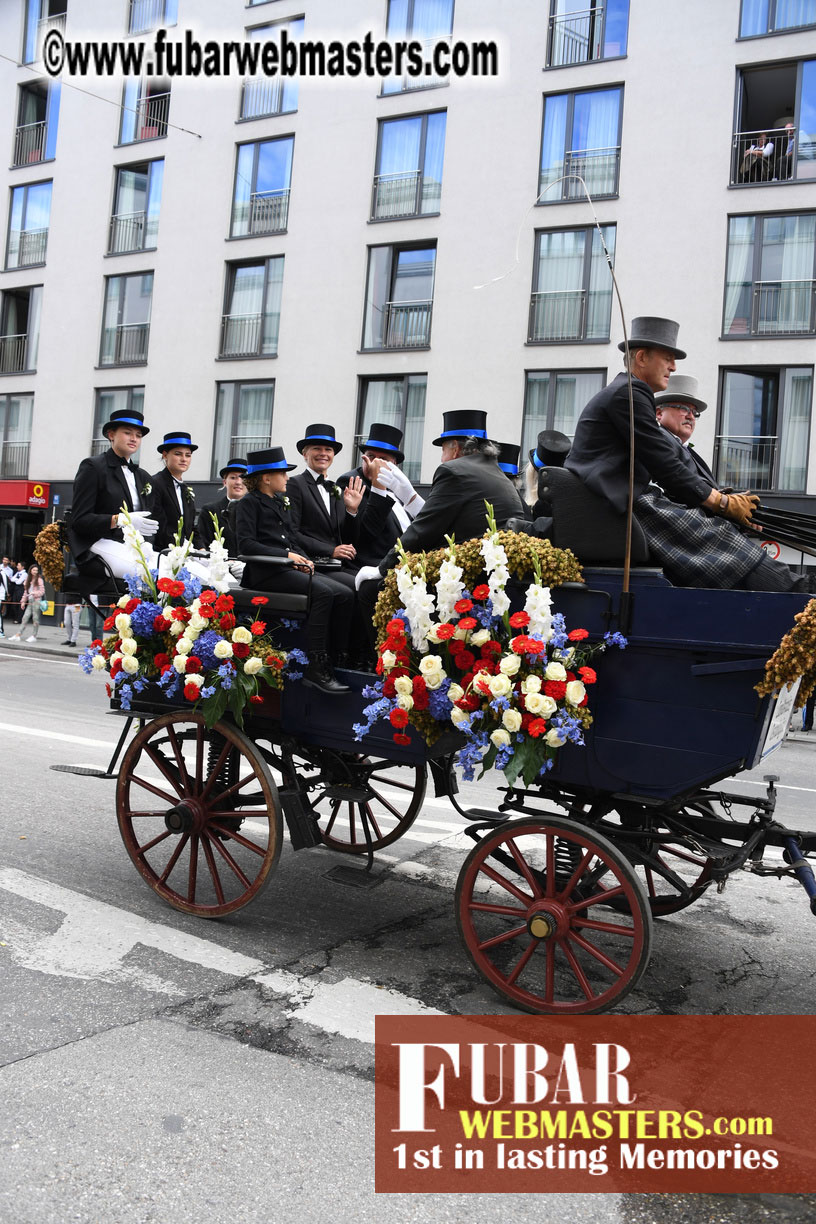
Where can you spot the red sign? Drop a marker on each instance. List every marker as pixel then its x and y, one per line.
pixel 35 493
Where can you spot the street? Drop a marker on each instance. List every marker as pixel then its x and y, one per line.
pixel 158 1066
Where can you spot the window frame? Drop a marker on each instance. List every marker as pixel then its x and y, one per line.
pixel 97 414
pixel 571 95
pixel 779 372
pixel 423 144
pixel 734 181
pixel 217 461
pixel 248 34
pixel 600 59
pixel 769 33
pixel 589 231
pixel 112 365
pixel 762 217
pixel 29 289
pixel 242 144
pixel 408 34
pixel 25 188
pixel 363 382
pixel 145 91
pixel 9 395
pixel 230 269
pixel 552 372
pixel 395 248
pixel 150 162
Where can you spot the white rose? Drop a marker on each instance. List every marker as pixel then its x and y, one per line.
pixel 434 681
pixel 512 720
pixel 130 665
pixel 184 645
pixel 575 692
pixel 388 660
pixel 432 635
pixel 403 684
pixel 554 738
pixel 253 665
pixel 195 679
pixel 116 657
pixel 176 628
pixel 510 665
pixel 180 664
pixel 555 671
pixel 458 716
pixel 548 707
pixel 122 623
pixel 456 692
pixel 123 601
pixel 500 738
pixel 535 703
pixel 98 663
pixel 222 650
pixel 242 634
pixel 480 637
pixel 430 665
pixel 531 685
pixel 461 634
pixel 500 685
pixel 129 647
pixel 197 623
pixel 195 605
pixel 405 701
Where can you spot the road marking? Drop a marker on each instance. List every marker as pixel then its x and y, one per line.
pixel 57 735
pixel 808 790
pixel 19 654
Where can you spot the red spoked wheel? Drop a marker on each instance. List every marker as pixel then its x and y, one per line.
pixel 535 909
pixel 199 814
pixel 673 869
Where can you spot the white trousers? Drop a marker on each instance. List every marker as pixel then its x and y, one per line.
pixel 120 559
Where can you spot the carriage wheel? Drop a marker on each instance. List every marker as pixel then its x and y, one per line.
pixel 360 800
pixel 675 875
pixel 199 814
pixel 533 909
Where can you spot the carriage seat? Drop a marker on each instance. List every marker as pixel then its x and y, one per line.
pixel 287 603
pixel 586 523
pixel 93 577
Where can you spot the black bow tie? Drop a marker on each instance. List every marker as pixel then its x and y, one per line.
pixel 126 463
pixel 320 480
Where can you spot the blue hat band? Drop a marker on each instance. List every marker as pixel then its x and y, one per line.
pixel 254 468
pixel 464 433
pixel 539 463
pixel 374 442
pixel 320 438
pixel 236 467
pixel 509 468
pixel 186 440
pixel 128 421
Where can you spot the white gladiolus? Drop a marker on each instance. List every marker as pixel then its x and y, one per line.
pixel 575 692
pixel 129 647
pixel 458 716
pixel 495 559
pixel 403 684
pixel 98 663
pixel 456 692
pixel 538 606
pixel 512 720
pixel 419 606
pixel 184 646
pixel 500 738
pixel 555 671
pixel 479 637
pixel 531 685
pixel 253 665
pixel 510 664
pixel 500 685
pixel 405 701
pixel 554 738
pixel 222 650
pixel 241 634
pixel 448 588
pixel 130 665
pixel 180 664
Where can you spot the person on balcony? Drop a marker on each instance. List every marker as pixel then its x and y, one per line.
pixel 692 527
pixel 173 501
pixel 104 485
pixel 758 160
pixel 223 507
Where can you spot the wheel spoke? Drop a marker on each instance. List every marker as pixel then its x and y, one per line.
pixel 164 767
pixel 199 765
pixel 352 824
pixel 372 820
pixel 549 971
pixel 154 790
pixel 335 810
pixel 236 786
pixel 597 953
pixel 149 845
pixel 522 961
pixel 171 734
pixel 174 858
pixel 493 875
pixel 229 860
pixel 382 799
pixel 216 769
pixel 524 867
pixel 211 863
pixel 609 928
pixel 549 869
pixel 192 873
pixel 153 815
pixel 234 835
pixel 506 911
pixel 576 875
pixel 601 898
pixel 583 982
pixel 505 935
pixel 389 781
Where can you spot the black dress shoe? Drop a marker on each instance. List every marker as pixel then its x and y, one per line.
pixel 66 643
pixel 319 674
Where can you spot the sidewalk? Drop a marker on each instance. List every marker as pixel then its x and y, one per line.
pixel 49 640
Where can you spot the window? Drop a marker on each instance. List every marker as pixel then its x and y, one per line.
pixel 126 324
pixel 249 327
pixel 20 329
pixel 554 399
pixel 408 181
pixel 399 402
pixel 134 224
pixel 263 175
pixel 243 420
pixel 28 225
pixel 775 138
pixel 16 413
pixel 40 17
pixel 770 282
pixel 261 95
pixel 148 14
pixel 426 21
pixel 399 297
pixel 572 286
pixel 763 430
pixel 768 16
pixel 35 138
pixel 108 400
pixel 581 30
pixel 145 110
pixel 581 137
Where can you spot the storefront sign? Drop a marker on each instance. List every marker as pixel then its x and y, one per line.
pixel 35 493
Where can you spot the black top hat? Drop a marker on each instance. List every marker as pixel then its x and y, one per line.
pixel 270 460
pixel 315 434
pixel 385 438
pixel 234 465
pixel 648 331
pixel 125 416
pixel 551 450
pixel 462 423
pixel 176 437
pixel 508 458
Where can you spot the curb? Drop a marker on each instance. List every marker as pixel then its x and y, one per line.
pixel 54 652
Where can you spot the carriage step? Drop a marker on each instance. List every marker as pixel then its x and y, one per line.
pixel 354 877
pixel 346 793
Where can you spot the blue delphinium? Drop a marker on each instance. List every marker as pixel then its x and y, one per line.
pixel 85 660
pixel 559 638
pixel 289 624
pixel 207 691
pixel 615 639
pixel 227 674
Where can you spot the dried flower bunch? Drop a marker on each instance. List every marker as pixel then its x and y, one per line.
pixel 795 656
pixel 48 554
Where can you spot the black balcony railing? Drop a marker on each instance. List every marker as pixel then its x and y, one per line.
pixel 131 232
pixel 746 462
pixel 29 143
pixel 14 460
pixel 13 351
pixel 151 117
pixel 125 344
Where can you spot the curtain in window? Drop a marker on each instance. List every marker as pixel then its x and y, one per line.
pixel 222 442
pixel 155 184
pixel 794 429
pixel 272 308
pixel 806 153
pixel 559 304
pixel 414 427
pixel 536 413
pixel 379 273
pixel 755 17
pixel 594 146
pixel 791 13
pixel 739 276
pixel 434 156
pixel 130 111
pixel 34 311
pixel 786 273
pixel 432 18
pixel 573 391
pixel 254 421
pixel 399 152
pixel 19 415
pixel 243 191
pixel 553 142
pixel 599 305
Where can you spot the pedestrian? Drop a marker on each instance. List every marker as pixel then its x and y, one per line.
pixel 18 581
pixel 73 611
pixel 4 596
pixel 33 592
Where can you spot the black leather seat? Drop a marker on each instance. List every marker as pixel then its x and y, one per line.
pixel 585 523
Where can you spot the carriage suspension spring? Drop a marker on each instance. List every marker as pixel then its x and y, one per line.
pixel 228 773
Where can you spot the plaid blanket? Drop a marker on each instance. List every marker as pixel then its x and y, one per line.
pixel 695 548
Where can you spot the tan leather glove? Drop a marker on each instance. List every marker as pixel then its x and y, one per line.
pixel 740 508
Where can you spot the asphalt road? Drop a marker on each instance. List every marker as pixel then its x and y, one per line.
pixel 155 1066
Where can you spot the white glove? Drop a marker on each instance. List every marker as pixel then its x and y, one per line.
pixel 365 575
pixel 397 482
pixel 414 508
pixel 144 523
pixel 236 568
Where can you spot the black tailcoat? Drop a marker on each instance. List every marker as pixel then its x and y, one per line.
pixel 205 531
pixel 320 532
pixel 378 528
pixel 263 528
pixel 100 491
pixel 166 509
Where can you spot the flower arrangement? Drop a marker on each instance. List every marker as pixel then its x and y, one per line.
pixel 795 656
pixel 180 635
pixel 48 554
pixel 453 656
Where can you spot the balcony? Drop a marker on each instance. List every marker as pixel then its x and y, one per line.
pixel 396 195
pixel 268 211
pixel 407 324
pixel 13 354
pixel 597 167
pixel 261 97
pixel 243 444
pixel 131 232
pixel 746 462
pixel 241 335
pixel 406 83
pixel 27 247
pixel 576 38
pixel 145 15
pixel 557 315
pixel 99 446
pixel 791 157
pixel 784 308
pixel 29 143
pixel 125 344
pixel 150 121
pixel 14 460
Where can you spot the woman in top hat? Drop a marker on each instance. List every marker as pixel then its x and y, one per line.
pixel 323 514
pixel 173 501
pixel 390 502
pixel 551 449
pixel 234 489
pixel 263 527
pixel 103 486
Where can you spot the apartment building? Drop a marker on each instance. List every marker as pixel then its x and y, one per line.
pixel 241 257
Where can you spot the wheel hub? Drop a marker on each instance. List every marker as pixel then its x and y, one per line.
pixel 183 818
pixel 547 920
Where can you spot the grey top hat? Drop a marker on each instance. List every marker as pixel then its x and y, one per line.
pixel 647 331
pixel 682 389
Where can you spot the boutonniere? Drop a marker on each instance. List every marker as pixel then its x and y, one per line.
pixel 283 500
pixel 147 488
pixel 336 492
pixel 190 493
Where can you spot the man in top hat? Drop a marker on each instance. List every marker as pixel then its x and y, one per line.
pixel 390 502
pixel 691 526
pixel 173 501
pixel 324 515
pixel 223 507
pixel 104 485
pixel 678 409
pixel 508 459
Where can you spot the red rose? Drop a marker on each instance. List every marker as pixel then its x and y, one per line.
pixel 257 628
pixel 191 692
pixel 378 667
pixel 587 674
pixel 578 635
pixel 481 592
pixel 398 718
pixel 557 689
pixel 109 624
pixel 467 622
pixel 224 603
pixel 256 699
pixel 465 659
pixel 161 660
pixel 537 727
pixel 519 619
pixel 209 596
pixel 193 664
pixel 445 631
pixel 400 738
pixel 389 688
pixel 463 605
pixel 240 649
pixel 160 624
pixel 227 622
pixel 584 700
